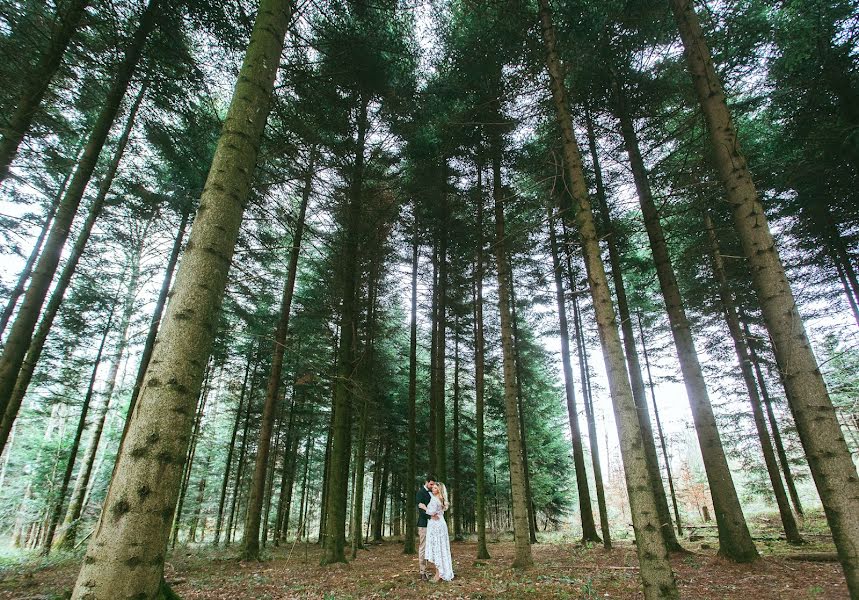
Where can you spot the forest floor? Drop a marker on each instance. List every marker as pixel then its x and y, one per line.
pixel 561 570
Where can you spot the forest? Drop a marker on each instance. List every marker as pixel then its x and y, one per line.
pixel 267 266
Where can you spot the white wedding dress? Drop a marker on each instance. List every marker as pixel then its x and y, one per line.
pixel 437 541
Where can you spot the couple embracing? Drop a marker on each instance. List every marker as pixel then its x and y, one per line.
pixel 434 547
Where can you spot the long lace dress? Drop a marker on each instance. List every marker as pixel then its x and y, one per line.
pixel 438 543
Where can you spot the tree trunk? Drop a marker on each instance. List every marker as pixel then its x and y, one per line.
pixel 519 498
pixel 655 570
pixel 155 321
pixel 411 472
pixel 735 540
pixel 479 453
pixel 776 434
pixel 456 499
pixel 589 530
pixel 76 441
pixel 727 299
pixel 532 518
pixel 626 328
pixel 38 81
pixel 338 475
pixel 828 456
pixel 219 521
pixel 24 276
pixel 240 464
pixel 25 370
pixel 76 505
pixel 21 332
pixel 440 373
pixel 126 554
pixel 659 430
pixel 381 497
pixel 250 549
pixel 433 455
pixel 201 496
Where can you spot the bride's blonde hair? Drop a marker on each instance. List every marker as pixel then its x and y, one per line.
pixel 442 488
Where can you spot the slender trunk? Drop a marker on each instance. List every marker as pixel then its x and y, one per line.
pixel 848 291
pixel 23 373
pixel 519 498
pixel 250 548
pixel 532 518
pixel 379 513
pixel 243 448
pixel 201 496
pixel 632 361
pixel 411 475
pixel 726 298
pixel 126 554
pixel 735 540
pixel 655 569
pixel 776 434
pixel 433 455
pixel 290 482
pixel 326 475
pixel 456 477
pixel 38 80
pixel 73 452
pixel 189 460
pixel 76 504
pixel 21 332
pixel 282 520
pixel 440 373
pixel 219 521
pixel 338 476
pixel 589 531
pixel 24 276
pixel 662 443
pixel 479 453
pixel 155 321
pixel 817 423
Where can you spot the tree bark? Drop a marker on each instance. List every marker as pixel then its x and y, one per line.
pixel 126 554
pixel 828 456
pixel 24 373
pixel 76 441
pixel 411 469
pixel 440 373
pixel 662 443
pixel 250 548
pixel 589 530
pixel 338 475
pixel 735 540
pixel 240 464
pixel 76 505
pixel 727 299
pixel 655 569
pixel 21 333
pixel 37 82
pixel 626 328
pixel 456 479
pixel 519 499
pixel 479 453
pixel 230 450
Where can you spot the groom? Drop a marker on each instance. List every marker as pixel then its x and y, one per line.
pixel 423 497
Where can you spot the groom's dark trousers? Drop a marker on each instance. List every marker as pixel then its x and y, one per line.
pixel 423 496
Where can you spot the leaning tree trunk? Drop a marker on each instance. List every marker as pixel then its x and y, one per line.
pixel 776 434
pixel 519 498
pixel 21 333
pixel 589 529
pixel 655 569
pixel 126 554
pixel 56 511
pixel 828 456
pixel 37 343
pixel 479 454
pixel 735 540
pixel 76 504
pixel 411 468
pixel 250 549
pixel 634 365
pixel 740 347
pixel 37 82
pixel 338 468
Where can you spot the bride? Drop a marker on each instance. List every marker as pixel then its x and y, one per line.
pixel 437 541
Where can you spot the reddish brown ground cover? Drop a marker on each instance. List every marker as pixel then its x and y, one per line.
pixel 562 570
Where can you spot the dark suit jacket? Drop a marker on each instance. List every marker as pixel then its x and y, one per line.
pixel 423 495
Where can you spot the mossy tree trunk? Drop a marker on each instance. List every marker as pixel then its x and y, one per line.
pixel 125 557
